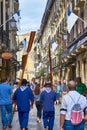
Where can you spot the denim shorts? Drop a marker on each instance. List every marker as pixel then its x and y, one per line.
pixel 69 126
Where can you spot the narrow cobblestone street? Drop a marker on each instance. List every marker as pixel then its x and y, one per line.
pixel 33 125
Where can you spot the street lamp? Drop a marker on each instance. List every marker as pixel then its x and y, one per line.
pixel 65 36
pixel 13 23
pixel 65 39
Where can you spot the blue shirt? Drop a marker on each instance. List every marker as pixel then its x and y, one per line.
pixel 58 89
pixel 47 99
pixel 23 98
pixel 5 94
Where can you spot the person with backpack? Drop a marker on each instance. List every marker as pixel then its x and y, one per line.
pixel 72 110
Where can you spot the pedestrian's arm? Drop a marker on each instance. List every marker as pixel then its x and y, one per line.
pixel 11 95
pixel 85 112
pixel 41 97
pixel 32 102
pixel 14 107
pixel 63 111
pixel 62 119
pixel 14 102
pixel 85 117
pixel 11 92
pixel 31 98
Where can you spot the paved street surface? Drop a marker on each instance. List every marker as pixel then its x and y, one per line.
pixel 33 125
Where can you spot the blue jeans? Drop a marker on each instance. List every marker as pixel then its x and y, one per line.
pixel 48 119
pixel 6 114
pixel 69 126
pixel 23 119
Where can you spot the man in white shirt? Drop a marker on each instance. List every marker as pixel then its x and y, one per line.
pixel 66 106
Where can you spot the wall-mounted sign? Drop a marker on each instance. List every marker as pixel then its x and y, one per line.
pixel 7 55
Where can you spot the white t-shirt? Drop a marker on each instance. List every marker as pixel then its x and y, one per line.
pixel 67 103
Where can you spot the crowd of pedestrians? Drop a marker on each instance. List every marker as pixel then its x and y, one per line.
pixel 22 98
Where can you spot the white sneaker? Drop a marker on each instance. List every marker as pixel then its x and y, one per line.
pixel 46 128
pixel 39 121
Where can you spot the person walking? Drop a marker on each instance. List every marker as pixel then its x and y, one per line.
pixel 58 91
pixel 33 84
pixel 47 98
pixel 68 101
pixel 63 88
pixel 37 102
pixel 6 93
pixel 24 99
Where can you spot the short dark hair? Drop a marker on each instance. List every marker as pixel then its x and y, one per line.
pixel 4 80
pixel 78 78
pixel 24 82
pixel 47 84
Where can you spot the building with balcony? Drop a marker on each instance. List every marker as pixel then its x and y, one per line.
pixel 76 51
pixel 8 45
pixel 69 59
pixel 26 57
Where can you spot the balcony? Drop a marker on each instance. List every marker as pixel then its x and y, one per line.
pixel 80 3
pixel 5 42
pixel 76 9
pixel 44 59
pixel 77 46
pixel 16 4
pixel 58 35
pixel 63 25
pixel 7 4
pixel 62 1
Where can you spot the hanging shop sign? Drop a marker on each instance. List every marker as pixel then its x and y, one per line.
pixel 7 55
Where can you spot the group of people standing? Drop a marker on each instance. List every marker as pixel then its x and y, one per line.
pixel 44 98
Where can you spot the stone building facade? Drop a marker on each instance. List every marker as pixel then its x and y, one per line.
pixel 69 59
pixel 8 43
pixel 29 67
